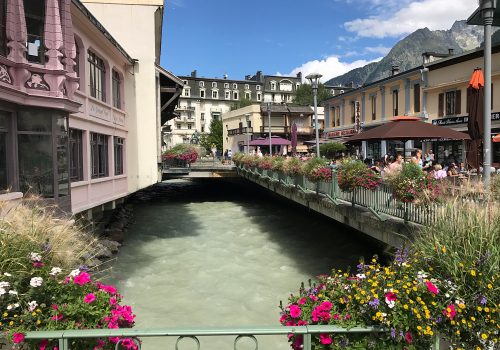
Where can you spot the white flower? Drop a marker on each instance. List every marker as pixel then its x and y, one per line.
pixel 2 291
pixel 36 282
pixel 7 274
pixel 16 305
pixel 12 292
pixel 35 257
pixel 74 273
pixel 9 307
pixel 32 305
pixel 4 285
pixel 361 275
pixel 55 271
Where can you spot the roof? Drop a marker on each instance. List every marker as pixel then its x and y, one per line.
pixel 282 108
pixel 85 11
pixel 188 77
pixel 462 57
pixel 476 19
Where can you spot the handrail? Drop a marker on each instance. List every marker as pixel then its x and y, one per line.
pixel 64 336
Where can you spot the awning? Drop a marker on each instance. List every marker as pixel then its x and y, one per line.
pixel 170 90
pixel 302 148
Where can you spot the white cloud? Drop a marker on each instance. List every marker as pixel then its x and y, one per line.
pixel 381 50
pixel 434 14
pixel 330 67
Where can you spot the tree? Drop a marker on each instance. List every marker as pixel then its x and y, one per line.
pixel 214 137
pixel 304 95
pixel 330 150
pixel 242 103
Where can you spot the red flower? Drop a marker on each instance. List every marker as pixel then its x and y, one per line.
pixel 431 287
pixel 408 337
pixel 18 338
pixel 325 339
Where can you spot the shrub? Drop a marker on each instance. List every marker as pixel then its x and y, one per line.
pixel 182 152
pixel 353 174
pixel 461 247
pixel 495 187
pixel 332 149
pixel 278 163
pixel 293 166
pixel 317 169
pixel 412 184
pixel 265 163
pixel 238 157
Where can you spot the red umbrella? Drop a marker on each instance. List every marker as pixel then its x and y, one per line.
pixel 475 98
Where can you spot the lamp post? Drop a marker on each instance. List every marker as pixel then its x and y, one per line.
pixel 314 79
pixel 247 117
pixel 269 107
pixel 487 11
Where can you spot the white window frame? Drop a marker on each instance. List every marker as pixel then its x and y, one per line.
pixel 226 85
pixel 235 95
pixel 214 84
pixel 257 87
pixel 235 86
pixel 273 85
pixel 202 84
pixel 187 92
pixel 259 96
pixel 247 87
pixel 202 91
pixel 215 94
pixel 248 95
pixel 227 95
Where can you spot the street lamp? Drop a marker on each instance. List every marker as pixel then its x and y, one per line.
pixel 247 117
pixel 269 106
pixel 314 79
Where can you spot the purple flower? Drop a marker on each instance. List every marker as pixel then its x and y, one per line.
pixel 393 332
pixel 83 268
pixel 483 300
pixel 374 303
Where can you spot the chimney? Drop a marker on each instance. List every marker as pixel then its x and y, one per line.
pixel 352 84
pixel 248 77
pixel 193 74
pixel 225 76
pixel 299 75
pixel 259 76
pixel 451 52
pixel 394 69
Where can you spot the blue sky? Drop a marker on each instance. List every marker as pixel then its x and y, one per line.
pixel 239 37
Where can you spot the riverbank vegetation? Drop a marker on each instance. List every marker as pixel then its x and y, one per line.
pixel 181 153
pixel 45 284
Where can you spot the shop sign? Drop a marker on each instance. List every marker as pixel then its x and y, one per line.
pixel 450 121
pixel 340 133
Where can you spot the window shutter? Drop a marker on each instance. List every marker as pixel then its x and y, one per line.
pixel 416 98
pixel 441 105
pixel 458 102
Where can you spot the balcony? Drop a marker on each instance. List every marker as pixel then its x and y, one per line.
pixel 301 130
pixel 185 108
pixel 240 131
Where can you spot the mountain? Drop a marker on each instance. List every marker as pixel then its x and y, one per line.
pixel 407 53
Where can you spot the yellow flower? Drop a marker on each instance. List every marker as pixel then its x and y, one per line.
pixel 473 273
pixel 443 249
pixel 484 336
pixel 473 318
pixel 486 309
pixel 419 328
pixel 479 308
pixel 38 321
pixel 11 323
pixel 405 306
pixel 490 286
pixel 5 314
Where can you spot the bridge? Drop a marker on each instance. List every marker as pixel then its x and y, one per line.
pixel 203 168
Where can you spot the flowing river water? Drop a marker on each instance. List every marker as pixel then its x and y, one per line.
pixel 220 254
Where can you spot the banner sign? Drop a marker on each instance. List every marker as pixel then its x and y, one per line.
pixel 340 133
pixel 460 120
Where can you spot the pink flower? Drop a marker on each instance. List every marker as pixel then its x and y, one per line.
pixel 18 338
pixel 89 298
pixel 295 311
pixel 108 289
pixel 408 337
pixel 37 264
pixel 54 307
pixel 57 317
pixel 43 344
pixel 431 287
pixel 390 296
pixel 302 301
pixel 326 305
pixel 450 311
pixel 112 301
pixel 325 339
pixel 82 278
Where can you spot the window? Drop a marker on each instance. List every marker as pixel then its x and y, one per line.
pixel 247 96
pixel 353 112
pixel 98 155
pixel 178 126
pixel 273 85
pixel 374 106
pixel 338 115
pixel 332 113
pixel 202 84
pixel 235 86
pixel 235 95
pixel 118 151
pixel 202 116
pixel 215 94
pixel 416 98
pixel 187 92
pixel 202 129
pixel 116 87
pixel 214 84
pixel 247 87
pixel 227 95
pixel 215 116
pixel 3 39
pixel 202 93
pixel 185 82
pixel 257 87
pixel 226 85
pixel 453 102
pixel 34 11
pixel 190 126
pixel 4 129
pixel 395 102
pixel 75 155
pixel 297 85
pixel 259 96
pixel 97 76
pixel 77 62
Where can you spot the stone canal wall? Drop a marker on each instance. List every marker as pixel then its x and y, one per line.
pixel 390 230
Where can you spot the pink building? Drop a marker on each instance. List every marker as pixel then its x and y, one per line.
pixel 67 98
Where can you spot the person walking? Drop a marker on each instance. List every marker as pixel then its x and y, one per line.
pixel 229 155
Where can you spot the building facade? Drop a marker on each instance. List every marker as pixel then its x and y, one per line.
pixel 69 98
pixel 205 99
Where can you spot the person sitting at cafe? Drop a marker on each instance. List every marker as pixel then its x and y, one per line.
pixel 461 168
pixel 438 172
pixel 452 170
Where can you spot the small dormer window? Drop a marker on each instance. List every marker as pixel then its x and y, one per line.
pixel 247 87
pixel 257 87
pixel 235 86
pixel 226 85
pixel 214 84
pixel 185 82
pixel 202 84
pixel 273 85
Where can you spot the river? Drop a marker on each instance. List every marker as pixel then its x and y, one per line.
pixel 219 254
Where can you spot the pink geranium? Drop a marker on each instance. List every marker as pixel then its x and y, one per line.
pixel 18 338
pixel 89 298
pixel 450 311
pixel 82 278
pixel 295 311
pixel 431 287
pixel 325 339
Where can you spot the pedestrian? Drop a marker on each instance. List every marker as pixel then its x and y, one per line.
pixel 225 154
pixel 214 150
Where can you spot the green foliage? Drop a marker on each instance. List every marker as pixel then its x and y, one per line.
pixel 332 149
pixel 303 96
pixel 413 185
pixel 462 248
pixel 495 187
pixel 353 174
pixel 278 163
pixel 181 152
pixel 214 137
pixel 293 166
pixel 312 164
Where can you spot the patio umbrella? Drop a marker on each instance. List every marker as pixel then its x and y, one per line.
pixel 275 140
pixel 475 106
pixel 496 138
pixel 294 139
pixel 409 128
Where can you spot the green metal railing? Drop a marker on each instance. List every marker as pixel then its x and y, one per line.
pixel 196 335
pixel 380 202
